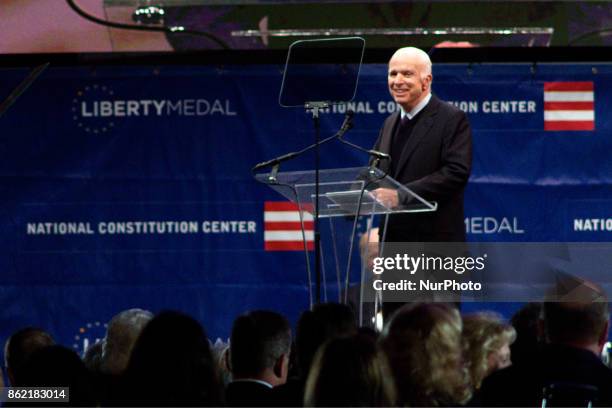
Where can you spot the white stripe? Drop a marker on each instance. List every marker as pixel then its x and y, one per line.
pixel 569 115
pixel 579 96
pixel 271 216
pixel 287 235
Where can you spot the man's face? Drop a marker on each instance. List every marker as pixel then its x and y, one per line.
pixel 405 82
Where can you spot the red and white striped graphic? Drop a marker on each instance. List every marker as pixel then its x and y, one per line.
pixel 283 229
pixel 569 106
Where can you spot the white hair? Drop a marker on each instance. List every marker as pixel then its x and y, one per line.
pixel 418 55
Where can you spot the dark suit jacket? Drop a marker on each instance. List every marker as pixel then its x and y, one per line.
pixel 522 384
pixel 290 394
pixel 435 163
pixel 248 394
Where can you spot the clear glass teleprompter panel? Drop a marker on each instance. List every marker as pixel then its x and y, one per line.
pixel 321 71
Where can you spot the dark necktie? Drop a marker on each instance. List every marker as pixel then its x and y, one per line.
pixel 400 138
pixel 404 122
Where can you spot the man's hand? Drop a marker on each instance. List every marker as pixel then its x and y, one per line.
pixel 387 196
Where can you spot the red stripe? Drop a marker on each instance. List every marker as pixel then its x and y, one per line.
pixel 569 125
pixel 280 206
pixel 288 226
pixel 568 86
pixel 288 245
pixel 589 106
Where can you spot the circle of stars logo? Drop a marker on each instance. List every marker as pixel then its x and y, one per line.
pixel 85 109
pixel 88 335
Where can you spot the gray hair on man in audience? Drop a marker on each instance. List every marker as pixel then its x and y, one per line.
pixel 121 335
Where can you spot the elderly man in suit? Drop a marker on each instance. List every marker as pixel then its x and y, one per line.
pixel 430 144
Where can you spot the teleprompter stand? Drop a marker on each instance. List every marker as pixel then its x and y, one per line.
pixel 315 78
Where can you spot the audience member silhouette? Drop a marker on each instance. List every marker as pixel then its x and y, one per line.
pixel 423 345
pixel 259 357
pixel 18 349
pixel 57 366
pixel 568 368
pixel 121 335
pixel 529 334
pixel 326 321
pixel 115 349
pixel 350 372
pixel 172 365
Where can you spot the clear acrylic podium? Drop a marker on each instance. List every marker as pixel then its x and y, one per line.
pixel 343 193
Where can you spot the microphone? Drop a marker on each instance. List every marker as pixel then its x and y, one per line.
pixel 347 124
pixel 379 155
pixel 276 160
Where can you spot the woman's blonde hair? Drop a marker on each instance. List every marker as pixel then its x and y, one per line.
pixel 483 334
pixel 423 345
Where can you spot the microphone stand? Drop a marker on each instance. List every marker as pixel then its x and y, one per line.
pixel 346 126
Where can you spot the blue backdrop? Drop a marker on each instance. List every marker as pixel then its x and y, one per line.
pixel 131 186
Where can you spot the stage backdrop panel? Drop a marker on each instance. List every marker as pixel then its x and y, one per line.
pixel 131 186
